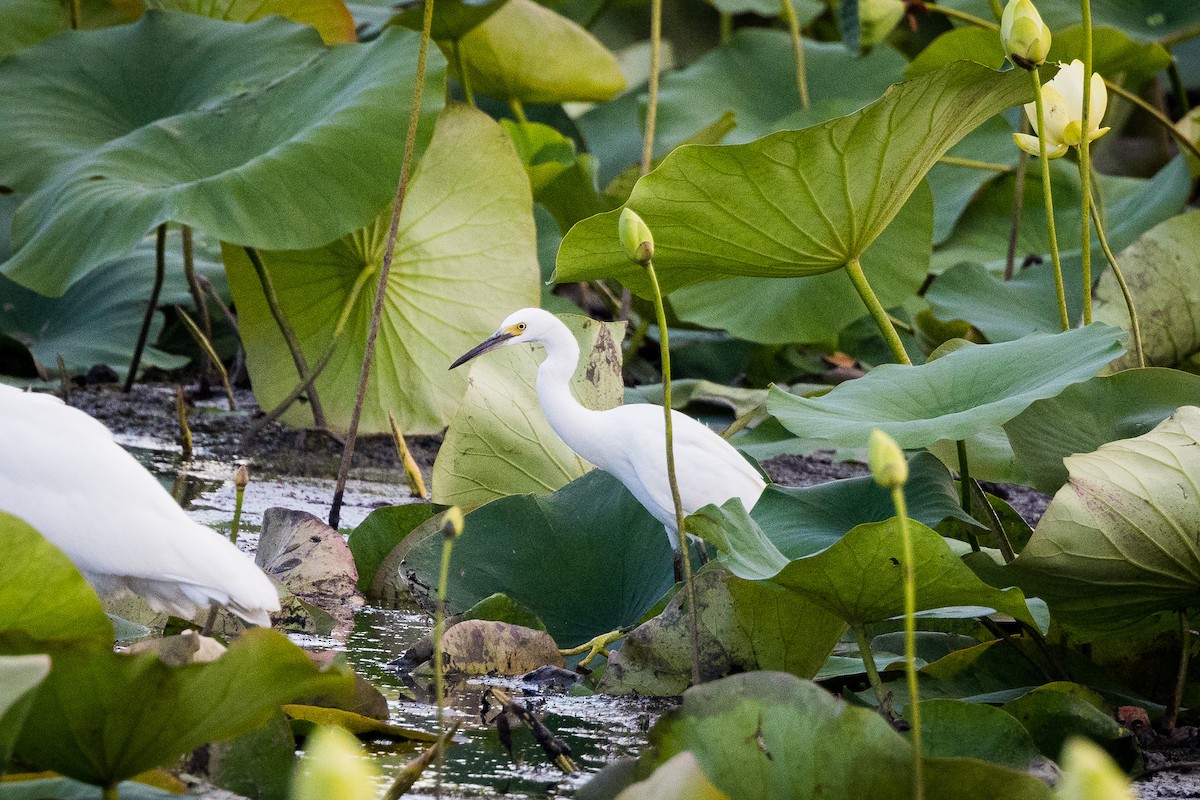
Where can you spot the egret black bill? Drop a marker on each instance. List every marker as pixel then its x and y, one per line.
pixel 495 340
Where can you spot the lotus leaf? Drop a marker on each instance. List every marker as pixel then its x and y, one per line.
pixel 19 677
pixel 331 18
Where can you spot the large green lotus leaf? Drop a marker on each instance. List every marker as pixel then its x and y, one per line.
pixel 1118 541
pixel 743 625
pixel 44 601
pixel 254 133
pixel 769 734
pixel 526 52
pixel 331 18
pixel 452 19
pixel 954 397
pixel 102 717
pixel 1146 19
pixel 957 728
pixel 499 442
pixel 27 22
pixel 586 559
pixel 1095 412
pixel 465 257
pixel 378 535
pixel 859 577
pixel 834 187
pixel 754 76
pixel 1164 279
pixel 562 180
pixel 816 308
pixel 19 677
pixel 801 521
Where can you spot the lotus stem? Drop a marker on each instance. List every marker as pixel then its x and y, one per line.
pixel 793 23
pixel 207 348
pixel 864 652
pixel 198 298
pixel 726 22
pixel 1018 207
pixel 160 270
pixel 517 109
pixel 241 477
pixel 972 163
pixel 962 16
pixel 1185 635
pixel 910 640
pixel 461 68
pixel 878 312
pixel 64 380
pixel 652 94
pixel 110 792
pixel 289 334
pixel 75 19
pixel 1134 327
pixel 385 271
pixel 964 487
pixel 1178 88
pixel 997 9
pixel 1159 117
pixel 685 558
pixel 450 530
pixel 994 523
pixel 412 472
pixel 1085 172
pixel 185 433
pixel 1048 199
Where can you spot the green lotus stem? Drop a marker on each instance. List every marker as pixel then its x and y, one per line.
pixel 1085 172
pixel 793 23
pixel 636 340
pixel 878 312
pixel 110 792
pixel 741 422
pixel 451 527
pixel 1048 199
pixel 726 21
pixel 997 9
pixel 910 639
pixel 385 270
pixel 1178 88
pixel 1134 327
pixel 962 16
pixel 517 109
pixel 160 270
pixel 1179 37
pixel 75 18
pixel 461 68
pixel 964 487
pixel 652 94
pixel 955 161
pixel 198 298
pixel 211 354
pixel 239 494
pixel 685 558
pixel 1185 634
pixel 864 652
pixel 289 334
pixel 1018 207
pixel 994 523
pixel 1159 117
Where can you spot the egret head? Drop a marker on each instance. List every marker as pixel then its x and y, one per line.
pixel 526 326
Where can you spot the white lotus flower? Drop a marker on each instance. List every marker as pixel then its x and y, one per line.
pixel 1062 98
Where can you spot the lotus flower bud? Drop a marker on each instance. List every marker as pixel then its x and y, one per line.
pixel 636 237
pixel 1026 38
pixel 241 477
pixel 886 459
pixel 452 522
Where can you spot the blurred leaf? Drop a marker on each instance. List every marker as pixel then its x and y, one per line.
pixel 465 256
pixel 331 18
pixel 27 22
pixel 258 764
pixel 499 442
pixel 680 778
pixel 234 129
pixel 835 187
pixel 67 789
pixel 955 187
pixel 964 392
pixel 354 723
pixel 806 10
pixel 19 678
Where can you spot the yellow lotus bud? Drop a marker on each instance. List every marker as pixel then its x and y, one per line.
pixel 636 237
pixel 886 459
pixel 1089 774
pixel 334 765
pixel 452 522
pixel 241 477
pixel 1026 38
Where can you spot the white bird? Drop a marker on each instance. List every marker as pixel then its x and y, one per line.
pixel 62 473
pixel 628 441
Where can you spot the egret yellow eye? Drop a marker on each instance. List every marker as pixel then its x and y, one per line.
pixel 520 326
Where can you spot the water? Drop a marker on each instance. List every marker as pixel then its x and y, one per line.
pixel 598 729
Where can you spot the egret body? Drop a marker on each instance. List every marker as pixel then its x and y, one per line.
pixel 628 441
pixel 61 472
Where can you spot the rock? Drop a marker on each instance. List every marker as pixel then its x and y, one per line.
pixel 310 559
pixel 482 647
pixel 188 647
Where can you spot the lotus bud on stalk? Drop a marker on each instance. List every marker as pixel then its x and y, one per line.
pixel 636 237
pixel 1026 38
pixel 1062 97
pixel 334 765
pixel 886 459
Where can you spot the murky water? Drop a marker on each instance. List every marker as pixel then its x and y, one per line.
pixel 599 729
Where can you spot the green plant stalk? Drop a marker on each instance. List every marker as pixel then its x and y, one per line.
pixel 994 523
pixel 964 487
pixel 1018 207
pixel 1134 327
pixel 289 334
pixel 684 556
pixel 1085 172
pixel 198 298
pixel 864 652
pixel 75 18
pixel 878 312
pixel 160 270
pixel 997 9
pixel 962 16
pixel 726 29
pixel 239 493
pixel 652 94
pixel 206 345
pixel 1178 88
pixel 1172 713
pixel 185 432
pixel 518 110
pixel 1159 117
pixel 110 792
pixel 385 271
pixel 793 23
pixel 910 640
pixel 972 163
pixel 439 630
pixel 1048 199
pixel 461 68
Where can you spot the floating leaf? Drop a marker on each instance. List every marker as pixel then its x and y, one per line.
pixel 1095 412
pixel 586 559
pixel 44 601
pixel 528 53
pixel 465 256
pixel 1118 542
pixel 834 188
pixel 331 18
pixel 743 626
pixel 378 535
pixel 499 442
pixel 953 397
pixel 102 717
pixel 257 134
pixel 859 577
pixel 1164 280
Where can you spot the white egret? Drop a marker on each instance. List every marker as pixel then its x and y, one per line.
pixel 628 441
pixel 61 472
